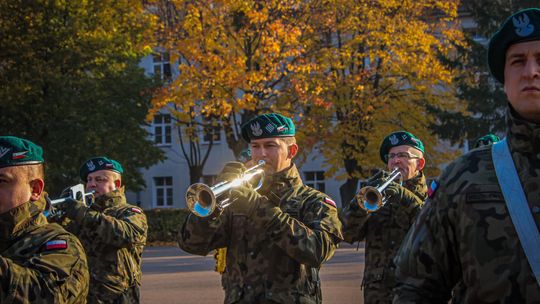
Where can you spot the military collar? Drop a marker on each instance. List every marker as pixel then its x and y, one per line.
pixel 289 176
pixel 417 185
pixel 111 199
pixel 15 221
pixel 282 181
pixel 523 135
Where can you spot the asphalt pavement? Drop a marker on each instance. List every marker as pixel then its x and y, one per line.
pixel 172 276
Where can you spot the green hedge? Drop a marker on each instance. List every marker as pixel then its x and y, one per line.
pixel 164 224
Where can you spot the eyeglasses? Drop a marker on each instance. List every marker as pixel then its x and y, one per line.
pixel 401 155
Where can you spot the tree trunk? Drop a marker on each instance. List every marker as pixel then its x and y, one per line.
pixel 195 174
pixel 347 191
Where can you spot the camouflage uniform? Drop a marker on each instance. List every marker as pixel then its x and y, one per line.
pixel 39 262
pixel 383 232
pixel 277 265
pixel 113 234
pixel 464 243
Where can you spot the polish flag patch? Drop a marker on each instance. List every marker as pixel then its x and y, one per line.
pixel 432 188
pixel 109 166
pixel 19 155
pixel 56 245
pixel 136 210
pixel 330 202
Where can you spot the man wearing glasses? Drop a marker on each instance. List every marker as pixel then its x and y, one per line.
pixel 384 229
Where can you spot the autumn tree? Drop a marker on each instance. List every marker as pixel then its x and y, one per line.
pixel 377 67
pixel 70 81
pixel 234 59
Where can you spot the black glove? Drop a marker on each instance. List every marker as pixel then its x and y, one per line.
pixel 259 208
pixel 73 209
pixel 231 171
pixel 397 194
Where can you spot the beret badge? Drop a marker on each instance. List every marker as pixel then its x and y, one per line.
pixel 523 26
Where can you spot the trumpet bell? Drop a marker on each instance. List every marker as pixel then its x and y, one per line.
pixel 370 199
pixel 200 199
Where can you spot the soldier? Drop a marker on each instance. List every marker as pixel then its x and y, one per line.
pixel 466 243
pixel 487 139
pixel 112 231
pixel 39 262
pixel 384 229
pixel 277 238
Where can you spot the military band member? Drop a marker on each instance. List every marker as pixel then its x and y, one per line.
pixel 39 262
pixel 112 231
pixel 383 230
pixel 277 238
pixel 465 244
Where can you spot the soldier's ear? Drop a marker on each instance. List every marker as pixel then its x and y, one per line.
pixel 36 186
pixel 420 164
pixel 117 183
pixel 293 150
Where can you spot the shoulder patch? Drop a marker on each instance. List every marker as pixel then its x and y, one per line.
pixel 55 245
pixel 330 202
pixel 432 188
pixel 136 210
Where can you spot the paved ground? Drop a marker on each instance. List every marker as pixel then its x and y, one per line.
pixel 172 276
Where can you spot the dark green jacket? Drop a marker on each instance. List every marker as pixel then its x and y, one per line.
pixel 383 232
pixel 39 262
pixel 464 244
pixel 281 264
pixel 113 234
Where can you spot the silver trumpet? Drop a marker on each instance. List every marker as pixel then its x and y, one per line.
pixel 372 198
pixel 76 192
pixel 202 199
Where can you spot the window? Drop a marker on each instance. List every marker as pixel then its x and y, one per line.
pixel 315 179
pixel 211 131
pixel 164 191
pixel 162 65
pixel 162 129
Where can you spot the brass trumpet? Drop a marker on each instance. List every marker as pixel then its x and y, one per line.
pixel 372 198
pixel 202 200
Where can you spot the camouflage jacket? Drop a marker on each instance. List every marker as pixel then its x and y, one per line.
pixel 463 244
pixel 39 262
pixel 383 232
pixel 113 234
pixel 280 265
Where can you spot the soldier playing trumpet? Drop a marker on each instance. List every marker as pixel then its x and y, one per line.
pixel 276 238
pixel 384 228
pixel 112 232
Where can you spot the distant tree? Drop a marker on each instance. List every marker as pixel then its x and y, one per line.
pixel 70 81
pixel 235 57
pixel 377 68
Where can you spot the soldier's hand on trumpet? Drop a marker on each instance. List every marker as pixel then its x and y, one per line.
pixel 231 171
pixel 249 202
pixel 73 209
pixel 397 194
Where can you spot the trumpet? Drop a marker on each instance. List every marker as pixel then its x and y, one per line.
pixel 202 200
pixel 371 198
pixel 76 192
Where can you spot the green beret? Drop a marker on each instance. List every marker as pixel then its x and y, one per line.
pixel 16 151
pixel 266 126
pixel 522 26
pixel 99 163
pixel 486 140
pixel 399 138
